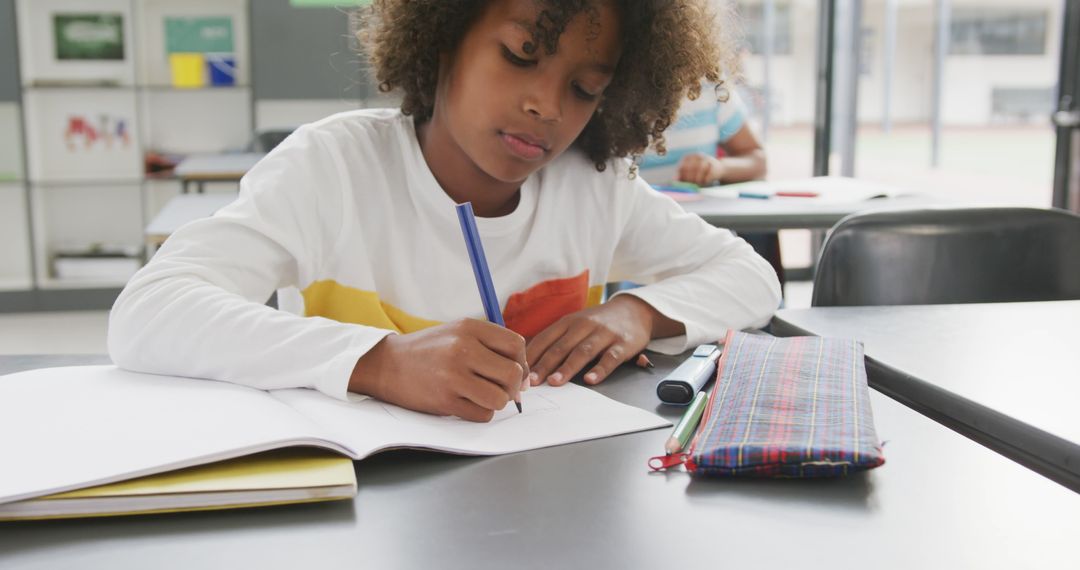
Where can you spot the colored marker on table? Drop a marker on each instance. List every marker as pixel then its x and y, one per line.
pixel 754 195
pixel 480 269
pixel 678 189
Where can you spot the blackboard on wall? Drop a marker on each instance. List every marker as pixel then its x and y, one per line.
pixel 304 53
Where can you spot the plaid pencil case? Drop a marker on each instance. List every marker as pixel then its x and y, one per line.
pixel 785 407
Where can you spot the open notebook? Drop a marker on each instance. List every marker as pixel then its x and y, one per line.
pixel 70 428
pixel 285 476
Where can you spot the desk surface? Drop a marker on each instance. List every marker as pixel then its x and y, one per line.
pixel 1007 374
pixel 940 501
pixel 185 208
pixel 778 213
pixel 228 166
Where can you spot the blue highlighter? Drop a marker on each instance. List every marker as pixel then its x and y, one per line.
pixel 690 377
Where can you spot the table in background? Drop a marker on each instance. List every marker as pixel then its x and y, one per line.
pixel 781 213
pixel 940 501
pixel 181 210
pixel 830 199
pixel 202 168
pixel 1004 374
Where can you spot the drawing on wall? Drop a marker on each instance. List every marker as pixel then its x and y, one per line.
pixel 107 130
pixel 200 50
pixel 89 36
pixel 83 134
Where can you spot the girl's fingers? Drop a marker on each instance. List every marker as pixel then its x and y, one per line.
pixel 703 173
pixel 539 344
pixel 557 352
pixel 688 168
pixel 500 370
pixel 468 410
pixel 502 341
pixel 549 349
pixel 583 353
pixel 615 355
pixel 484 394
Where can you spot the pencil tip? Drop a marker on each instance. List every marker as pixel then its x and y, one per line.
pixel 518 404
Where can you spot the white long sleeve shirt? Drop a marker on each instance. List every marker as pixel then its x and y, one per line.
pixel 347 216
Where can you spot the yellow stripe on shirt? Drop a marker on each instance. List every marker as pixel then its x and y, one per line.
pixel 346 304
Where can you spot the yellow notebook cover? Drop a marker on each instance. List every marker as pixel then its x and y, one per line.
pixel 272 478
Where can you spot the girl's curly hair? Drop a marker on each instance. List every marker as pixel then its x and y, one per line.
pixel 669 47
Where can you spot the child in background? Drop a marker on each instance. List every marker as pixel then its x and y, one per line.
pixel 712 143
pixel 524 108
pixel 716 119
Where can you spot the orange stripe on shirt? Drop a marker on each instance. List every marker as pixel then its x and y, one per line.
pixel 530 311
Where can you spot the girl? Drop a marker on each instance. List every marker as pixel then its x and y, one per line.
pixel 525 108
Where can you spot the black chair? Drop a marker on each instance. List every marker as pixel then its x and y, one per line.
pixel 265 141
pixel 970 255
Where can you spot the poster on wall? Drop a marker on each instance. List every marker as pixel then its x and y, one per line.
pixel 89 36
pixel 82 134
pixel 201 51
pixel 193 43
pixel 73 42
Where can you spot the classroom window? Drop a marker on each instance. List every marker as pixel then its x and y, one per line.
pixel 753 21
pixel 995 143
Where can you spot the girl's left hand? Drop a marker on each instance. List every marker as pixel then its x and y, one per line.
pixel 618 330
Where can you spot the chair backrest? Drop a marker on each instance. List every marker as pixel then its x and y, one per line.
pixel 265 141
pixel 969 255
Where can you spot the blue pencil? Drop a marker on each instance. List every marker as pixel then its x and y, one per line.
pixel 480 267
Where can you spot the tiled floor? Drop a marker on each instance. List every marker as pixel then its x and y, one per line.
pixel 83 332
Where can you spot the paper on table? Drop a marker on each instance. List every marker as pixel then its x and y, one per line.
pixel 552 416
pixel 74 427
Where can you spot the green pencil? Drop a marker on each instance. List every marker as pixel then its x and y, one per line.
pixel 687 424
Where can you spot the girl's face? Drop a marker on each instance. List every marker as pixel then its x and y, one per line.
pixel 510 111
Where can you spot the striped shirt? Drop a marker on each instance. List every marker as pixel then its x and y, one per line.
pixel 702 124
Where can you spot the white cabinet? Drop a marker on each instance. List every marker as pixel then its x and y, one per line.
pixel 100 102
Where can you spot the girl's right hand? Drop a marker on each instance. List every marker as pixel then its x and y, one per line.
pixel 701 169
pixel 465 368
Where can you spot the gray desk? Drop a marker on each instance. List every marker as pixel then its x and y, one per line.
pixel 183 209
pixel 940 501
pixel 226 167
pixel 1005 374
pixel 745 214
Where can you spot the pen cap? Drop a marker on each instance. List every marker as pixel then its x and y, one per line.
pixel 675 392
pixel 690 377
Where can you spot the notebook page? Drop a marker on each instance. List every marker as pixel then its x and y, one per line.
pixel 552 416
pixel 73 427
